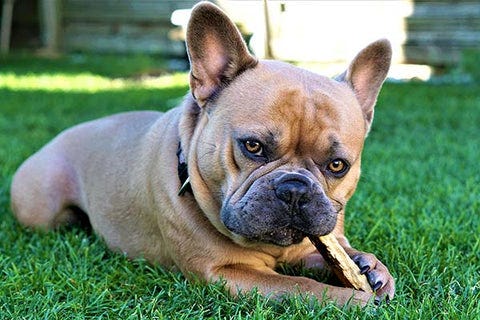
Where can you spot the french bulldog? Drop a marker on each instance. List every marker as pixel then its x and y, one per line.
pixel 228 185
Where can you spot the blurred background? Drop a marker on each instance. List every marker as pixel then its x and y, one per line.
pixel 429 38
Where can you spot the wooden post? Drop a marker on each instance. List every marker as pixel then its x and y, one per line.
pixel 50 25
pixel 7 12
pixel 268 33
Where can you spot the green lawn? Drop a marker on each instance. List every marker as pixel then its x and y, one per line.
pixel 417 206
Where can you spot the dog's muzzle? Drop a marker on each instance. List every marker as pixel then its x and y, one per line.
pixel 281 208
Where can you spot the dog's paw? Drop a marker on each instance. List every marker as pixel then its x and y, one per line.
pixel 377 274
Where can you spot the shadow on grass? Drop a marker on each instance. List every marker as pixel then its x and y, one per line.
pixel 112 66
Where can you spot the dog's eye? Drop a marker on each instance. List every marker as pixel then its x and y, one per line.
pixel 254 147
pixel 338 167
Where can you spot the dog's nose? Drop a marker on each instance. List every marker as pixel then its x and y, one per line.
pixel 293 189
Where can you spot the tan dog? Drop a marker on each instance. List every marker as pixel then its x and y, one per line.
pixel 273 155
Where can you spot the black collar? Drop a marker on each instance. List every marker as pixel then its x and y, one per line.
pixel 183 173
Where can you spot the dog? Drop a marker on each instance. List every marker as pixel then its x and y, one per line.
pixel 228 185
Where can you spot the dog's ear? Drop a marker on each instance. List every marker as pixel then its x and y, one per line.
pixel 366 74
pixel 216 50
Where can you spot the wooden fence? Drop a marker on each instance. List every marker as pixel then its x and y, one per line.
pixel 438 32
pixel 120 25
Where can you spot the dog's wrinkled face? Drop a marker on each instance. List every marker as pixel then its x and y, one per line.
pixel 287 150
pixel 273 150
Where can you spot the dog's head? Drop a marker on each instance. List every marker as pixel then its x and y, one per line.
pixel 273 150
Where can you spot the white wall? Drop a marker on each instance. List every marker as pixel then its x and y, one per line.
pixel 322 31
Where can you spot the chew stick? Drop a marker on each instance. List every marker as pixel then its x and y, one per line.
pixel 343 267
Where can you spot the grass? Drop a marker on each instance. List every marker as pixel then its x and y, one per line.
pixel 417 205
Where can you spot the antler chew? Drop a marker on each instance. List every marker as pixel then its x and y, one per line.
pixel 343 267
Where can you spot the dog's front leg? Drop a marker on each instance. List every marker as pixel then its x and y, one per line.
pixel 242 278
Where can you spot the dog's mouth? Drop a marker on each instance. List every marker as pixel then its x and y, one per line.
pixel 282 208
pixel 284 237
